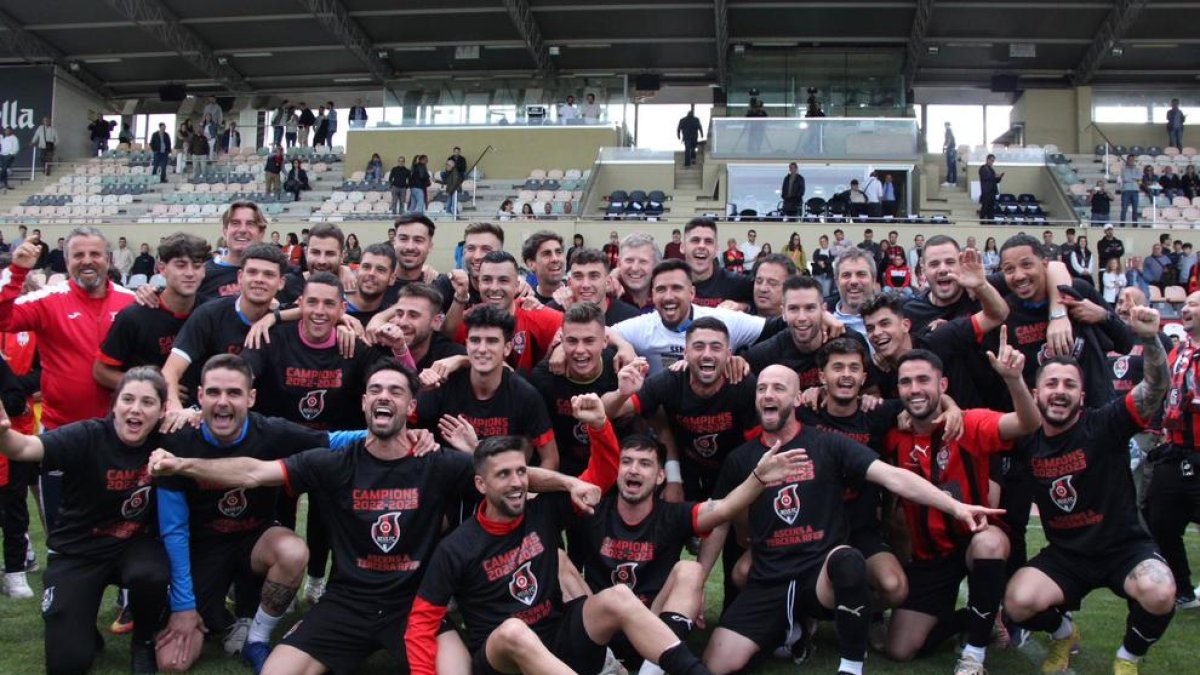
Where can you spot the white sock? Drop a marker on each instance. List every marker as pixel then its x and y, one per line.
pixel 650 669
pixel 1064 630
pixel 852 667
pixel 1126 656
pixel 262 626
pixel 977 653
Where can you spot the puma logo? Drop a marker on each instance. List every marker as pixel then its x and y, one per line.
pixel 856 611
pixel 982 615
pixel 1149 641
pixel 74 315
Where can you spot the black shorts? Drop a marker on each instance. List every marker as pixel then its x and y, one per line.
pixel 568 641
pixel 1078 575
pixel 217 563
pixel 765 613
pixel 342 633
pixel 933 584
pixel 869 541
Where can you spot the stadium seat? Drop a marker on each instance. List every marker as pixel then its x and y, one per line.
pixel 616 205
pixel 655 203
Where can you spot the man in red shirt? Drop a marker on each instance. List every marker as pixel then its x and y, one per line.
pixel 71 320
pixel 943 551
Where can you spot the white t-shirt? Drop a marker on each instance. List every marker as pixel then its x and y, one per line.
pixel 590 111
pixel 662 346
pixel 874 190
pixel 568 111
pixel 9 145
pixel 751 252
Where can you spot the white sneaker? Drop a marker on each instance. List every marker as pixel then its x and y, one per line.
pixel 967 665
pixel 314 588
pixel 235 638
pixel 15 585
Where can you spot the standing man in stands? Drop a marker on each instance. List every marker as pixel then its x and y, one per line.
pixel 357 115
pixel 9 147
pixel 1175 119
pixel 950 150
pixel 45 137
pixel 792 192
pixel 71 321
pixel 590 110
pixel 989 187
pixel 874 192
pixel 242 225
pixel 122 259
pixel 160 145
pixel 689 131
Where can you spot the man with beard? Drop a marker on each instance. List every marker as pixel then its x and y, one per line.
pixel 714 285
pixel 144 336
pixel 769 275
pixel 479 239
pixel 242 226
pixel 375 272
pixel 587 282
pixel 797 528
pixel 71 321
pixel 944 553
pixel 322 253
pixel 638 257
pixel 412 237
pixel 854 272
pixel 418 314
pixel 220 327
pixel 1085 497
pixel 379 486
pixel 502 568
pixel 543 255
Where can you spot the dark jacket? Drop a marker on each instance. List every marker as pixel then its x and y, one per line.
pixel 160 142
pixel 419 177
pixel 989 182
pixel 689 128
pixel 198 144
pixel 143 264
pixel 301 177
pixel 1107 249
pixel 399 177
pixel 307 118
pixel 274 164
pixel 460 163
pixel 797 188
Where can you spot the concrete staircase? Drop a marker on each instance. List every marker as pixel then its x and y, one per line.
pixel 689 178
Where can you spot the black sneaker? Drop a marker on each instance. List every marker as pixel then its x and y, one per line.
pixel 143 659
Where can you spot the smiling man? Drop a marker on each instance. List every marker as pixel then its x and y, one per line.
pixel 588 282
pixel 372 279
pixel 638 255
pixel 242 225
pixel 543 255
pixel 854 272
pixel 714 285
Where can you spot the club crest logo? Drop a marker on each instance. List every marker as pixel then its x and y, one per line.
pixel 626 573
pixel 233 502
pixel 1120 367
pixel 787 504
pixel 524 586
pixel 1064 494
pixel 47 599
pixel 386 531
pixel 135 504
pixel 943 458
pixel 519 342
pixel 579 431
pixel 706 445
pixel 313 404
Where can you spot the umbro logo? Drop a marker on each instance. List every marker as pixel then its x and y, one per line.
pixel 74 315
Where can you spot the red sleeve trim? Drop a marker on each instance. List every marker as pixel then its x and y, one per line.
pixel 1133 411
pixel 108 360
pixel 420 638
pixel 978 329
pixel 753 433
pixel 287 479
pixel 543 439
pixel 636 401
pixel 696 521
pixel 601 470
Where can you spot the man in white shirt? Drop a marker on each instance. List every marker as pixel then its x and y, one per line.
pixel 914 253
pixel 9 147
pixel 568 111
pixel 122 258
pixel 590 110
pixel 659 336
pixel 750 249
pixel 45 137
pixel 874 192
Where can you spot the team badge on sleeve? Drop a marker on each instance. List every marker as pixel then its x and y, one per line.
pixel 787 504
pixel 386 531
pixel 524 585
pixel 1063 494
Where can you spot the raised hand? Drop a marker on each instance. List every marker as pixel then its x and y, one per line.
pixel 1010 362
pixel 970 269
pixel 460 282
pixel 588 408
pixel 27 253
pixel 775 466
pixel 458 432
pixel 585 496
pixel 1144 321
pixel 632 376
pixel 422 441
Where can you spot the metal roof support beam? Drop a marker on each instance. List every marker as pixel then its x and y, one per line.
pixel 1124 13
pixel 34 49
pixel 156 19
pixel 522 18
pixel 337 20
pixel 721 25
pixel 916 41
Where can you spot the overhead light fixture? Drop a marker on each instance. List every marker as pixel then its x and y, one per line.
pixel 223 60
pixel 103 60
pixel 351 79
pixel 253 55
pixel 414 49
pixel 932 50
pixel 74 65
pixel 554 50
pixel 382 53
pixel 739 48
pixel 1118 50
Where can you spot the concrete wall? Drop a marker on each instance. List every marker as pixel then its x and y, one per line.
pixel 627 177
pixel 1051 116
pixel 516 149
pixel 74 110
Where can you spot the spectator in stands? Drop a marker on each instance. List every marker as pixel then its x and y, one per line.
pixel 795 252
pixel 1129 190
pixel 160 145
pixel 913 256
pixel 452 179
pixel 990 257
pixel 1053 251
pixel 293 251
pixel 209 129
pixel 890 200
pixel 1175 119
pixel 764 252
pixel 213 110
pixel 125 137
pixel 1112 280
pixel 357 115
pixel 868 244
pixel 989 187
pixel 1109 247
pixel 840 243
pixel 1081 262
pixel 231 138
pixel 278 119
pixel 749 248
pixel 57 261
pixel 950 150
pixel 1187 263
pixel 1149 181
pixel 613 250
pixel 674 248
pixel 822 265
pixel 568 111
pixel 688 130
pixel 1135 276
pixel 45 137
pixel 418 182
pixel 374 172
pixel 199 148
pixel 547 211
pixel 857 199
pixel 291 128
pixel 321 128
pixel 792 191
pixel 1069 247
pixel 100 131
pixel 297 180
pixel 331 114
pixel 576 246
pixel 9 147
pixel 874 192
pixel 144 263
pixel 506 211
pixel 1169 181
pixel 460 162
pixel 274 170
pixel 275 240
pixel 183 145
pixel 1156 268
pixel 122 259
pixel 1189 182
pixel 897 278
pixel 399 180
pixel 527 212
pixel 353 252
pixel 590 110
pixel 307 120
pixel 1101 203
pixel 733 259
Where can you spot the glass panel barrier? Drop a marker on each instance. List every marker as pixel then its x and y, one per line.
pixel 810 138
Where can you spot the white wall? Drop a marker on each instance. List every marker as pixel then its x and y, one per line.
pixel 73 112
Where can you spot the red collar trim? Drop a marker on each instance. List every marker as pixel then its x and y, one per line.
pixel 496 527
pixel 163 306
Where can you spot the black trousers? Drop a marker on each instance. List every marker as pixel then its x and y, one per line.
pixel 1173 501
pixel 987 206
pixel 14 507
pixel 74 588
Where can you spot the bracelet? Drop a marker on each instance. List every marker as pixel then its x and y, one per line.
pixel 754 472
pixel 278 316
pixel 674 475
pixel 1060 314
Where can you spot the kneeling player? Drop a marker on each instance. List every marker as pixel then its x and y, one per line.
pixel 105 534
pixel 944 553
pixel 1080 462
pixel 798 534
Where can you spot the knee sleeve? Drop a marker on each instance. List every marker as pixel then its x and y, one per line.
pixel 847 568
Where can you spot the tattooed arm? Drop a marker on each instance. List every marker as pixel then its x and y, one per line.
pixel 1149 393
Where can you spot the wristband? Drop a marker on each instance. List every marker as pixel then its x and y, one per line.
pixel 278 316
pixel 1060 314
pixel 673 473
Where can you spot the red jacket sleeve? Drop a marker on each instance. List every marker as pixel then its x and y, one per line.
pixel 13 318
pixel 420 638
pixel 602 465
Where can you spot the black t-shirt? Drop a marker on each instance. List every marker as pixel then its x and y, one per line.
pixel 706 430
pixel 639 555
pixel 316 387
pixel 794 523
pixel 220 281
pixel 921 311
pixel 293 288
pixel 384 517
pixel 217 327
pixel 516 409
pixel 569 433
pixel 107 495
pixel 954 342
pixel 144 336
pixel 781 349
pixel 443 285
pixel 724 285
pixel 440 347
pixel 217 512
pixel 618 310
pixel 1084 490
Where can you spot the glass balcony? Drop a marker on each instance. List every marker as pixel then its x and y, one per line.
pixel 813 138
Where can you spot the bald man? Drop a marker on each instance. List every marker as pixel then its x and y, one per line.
pixel 801 565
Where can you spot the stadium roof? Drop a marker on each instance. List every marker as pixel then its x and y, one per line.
pixel 129 48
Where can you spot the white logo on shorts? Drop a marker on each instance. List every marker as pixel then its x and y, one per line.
pixel 47 598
